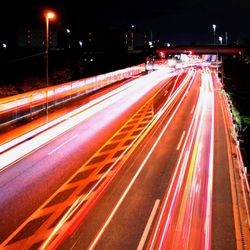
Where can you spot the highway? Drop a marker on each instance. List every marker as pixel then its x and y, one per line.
pixel 136 170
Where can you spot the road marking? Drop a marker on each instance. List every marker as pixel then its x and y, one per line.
pixel 74 244
pixel 148 226
pixel 54 150
pixel 165 93
pixel 179 144
pixel 192 110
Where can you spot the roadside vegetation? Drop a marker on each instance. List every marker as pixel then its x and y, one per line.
pixel 237 85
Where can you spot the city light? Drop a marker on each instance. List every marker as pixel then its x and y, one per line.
pixel 220 39
pixel 49 15
pixel 214 28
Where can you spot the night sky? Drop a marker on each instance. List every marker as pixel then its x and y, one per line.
pixel 173 21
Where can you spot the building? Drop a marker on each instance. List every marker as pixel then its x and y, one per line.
pixel 36 38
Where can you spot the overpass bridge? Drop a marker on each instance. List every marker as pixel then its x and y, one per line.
pixel 219 49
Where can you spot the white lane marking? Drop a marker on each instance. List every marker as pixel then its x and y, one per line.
pixel 54 150
pixel 148 226
pixel 182 136
pixel 74 244
pixel 192 110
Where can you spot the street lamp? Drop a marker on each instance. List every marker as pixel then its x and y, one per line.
pixel 69 33
pixel 214 28
pixel 220 39
pixel 132 36
pixel 49 15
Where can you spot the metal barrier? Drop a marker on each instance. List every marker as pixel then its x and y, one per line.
pixel 241 166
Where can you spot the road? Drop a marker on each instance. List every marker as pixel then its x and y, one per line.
pixel 134 177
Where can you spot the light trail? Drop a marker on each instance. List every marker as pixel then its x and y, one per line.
pixel 127 152
pixel 59 230
pixel 172 182
pixel 14 142
pixel 132 93
pixel 191 183
pixel 100 233
pixel 66 89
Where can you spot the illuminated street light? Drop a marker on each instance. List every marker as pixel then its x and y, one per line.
pixel 49 15
pixel 220 39
pixel 69 33
pixel 80 43
pixel 214 28
pixel 4 45
pixel 132 36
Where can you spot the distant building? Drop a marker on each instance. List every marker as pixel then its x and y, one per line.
pixel 36 38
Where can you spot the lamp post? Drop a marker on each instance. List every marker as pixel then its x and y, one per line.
pixel 49 15
pixel 69 33
pixel 132 36
pixel 220 39
pixel 214 28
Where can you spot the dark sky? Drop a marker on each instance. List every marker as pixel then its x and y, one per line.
pixel 174 21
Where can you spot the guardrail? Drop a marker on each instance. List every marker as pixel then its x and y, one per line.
pixel 241 166
pixel 244 181
pixel 22 106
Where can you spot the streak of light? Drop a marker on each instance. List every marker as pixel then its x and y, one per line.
pixel 205 97
pixel 132 146
pixel 90 104
pixel 210 176
pixel 184 154
pixel 80 200
pixel 132 95
pixel 100 233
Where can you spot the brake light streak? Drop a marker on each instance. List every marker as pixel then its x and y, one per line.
pixel 156 118
pixel 188 201
pixel 69 229
pixel 180 92
pixel 180 167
